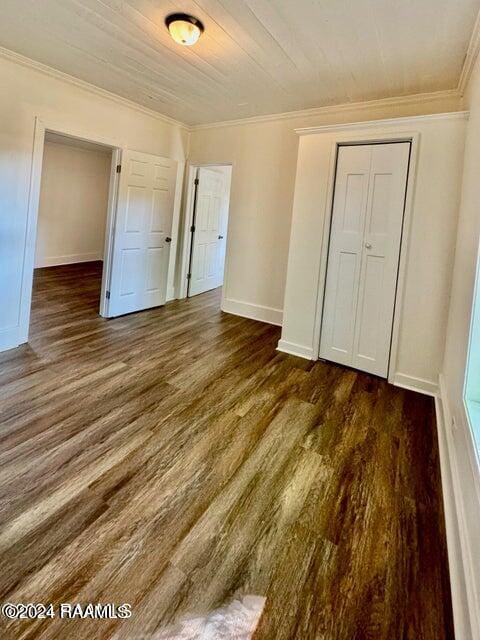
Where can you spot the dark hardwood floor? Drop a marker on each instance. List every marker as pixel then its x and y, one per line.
pixel 173 459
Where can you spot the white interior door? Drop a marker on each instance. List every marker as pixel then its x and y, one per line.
pixel 363 257
pixel 142 235
pixel 209 236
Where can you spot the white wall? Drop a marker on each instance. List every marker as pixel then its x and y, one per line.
pixel 73 205
pixel 431 243
pixel 460 448
pixel 27 93
pixel 264 158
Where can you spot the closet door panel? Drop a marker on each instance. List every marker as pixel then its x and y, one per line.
pixel 345 251
pixel 363 259
pixel 379 271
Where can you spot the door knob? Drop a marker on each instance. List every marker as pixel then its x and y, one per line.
pixel 220 237
pixel 368 245
pixel 167 239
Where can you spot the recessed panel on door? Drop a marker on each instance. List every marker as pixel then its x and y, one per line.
pixel 136 209
pixel 155 257
pixel 137 168
pixel 363 258
pixel 370 309
pixel 160 210
pixel 130 267
pixel 199 272
pixel 342 333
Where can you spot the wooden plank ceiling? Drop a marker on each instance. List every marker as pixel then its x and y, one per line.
pixel 255 57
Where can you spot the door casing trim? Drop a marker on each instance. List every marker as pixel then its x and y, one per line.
pixel 40 129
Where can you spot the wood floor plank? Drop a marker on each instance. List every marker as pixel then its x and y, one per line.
pixel 173 459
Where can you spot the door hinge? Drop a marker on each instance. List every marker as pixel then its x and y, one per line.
pixel 197 181
pixel 189 275
pixel 119 168
pixel 192 228
pixel 107 295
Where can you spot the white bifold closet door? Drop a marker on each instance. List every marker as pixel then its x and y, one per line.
pixel 142 236
pixel 209 237
pixel 363 257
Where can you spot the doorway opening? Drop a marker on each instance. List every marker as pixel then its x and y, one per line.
pixel 76 200
pixel 71 228
pixel 205 229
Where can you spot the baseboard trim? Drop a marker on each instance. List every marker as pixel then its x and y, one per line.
pixel 70 259
pixel 420 385
pixel 253 311
pixel 461 554
pixel 296 349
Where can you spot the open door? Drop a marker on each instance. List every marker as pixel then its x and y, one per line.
pixel 209 231
pixel 142 233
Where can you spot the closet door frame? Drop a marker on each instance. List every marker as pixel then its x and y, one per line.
pixel 362 138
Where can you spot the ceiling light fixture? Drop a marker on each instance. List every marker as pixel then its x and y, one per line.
pixel 183 28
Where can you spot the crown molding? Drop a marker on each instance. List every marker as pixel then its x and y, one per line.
pixel 399 101
pixel 471 57
pixel 370 124
pixel 418 98
pixel 11 56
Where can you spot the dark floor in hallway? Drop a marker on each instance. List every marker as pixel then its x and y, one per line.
pixel 173 459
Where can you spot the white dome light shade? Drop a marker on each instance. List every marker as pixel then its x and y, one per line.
pixel 184 29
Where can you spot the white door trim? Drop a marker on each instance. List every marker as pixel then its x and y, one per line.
pixel 186 236
pixel 41 127
pixel 369 138
pixel 109 231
